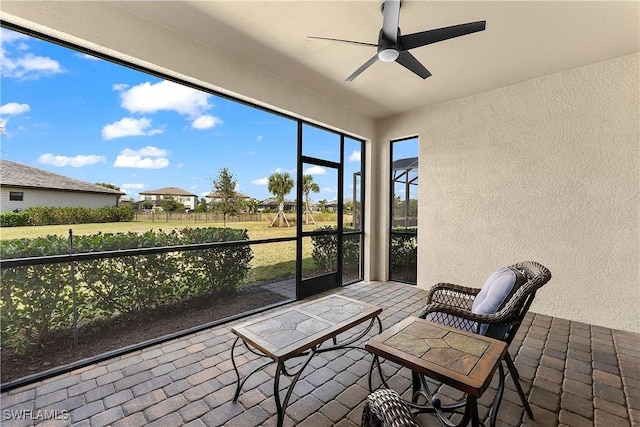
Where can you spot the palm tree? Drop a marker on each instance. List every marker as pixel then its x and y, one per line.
pixel 280 184
pixel 307 187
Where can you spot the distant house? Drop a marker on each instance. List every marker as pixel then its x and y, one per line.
pixel 271 203
pixel 189 200
pixel 332 206
pixel 24 186
pixel 126 202
pixel 215 197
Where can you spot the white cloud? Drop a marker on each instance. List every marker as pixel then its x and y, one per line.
pixel 146 158
pixel 132 188
pixel 119 87
pixel 165 95
pixel 8 36
pixel 355 156
pixel 261 181
pixel 87 56
pixel 259 138
pixel 75 161
pixel 14 108
pixel 129 126
pixel 27 66
pixel 315 170
pixel 206 122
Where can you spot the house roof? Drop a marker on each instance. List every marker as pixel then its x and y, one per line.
pixel 174 191
pixel 216 195
pixel 273 201
pixel 20 175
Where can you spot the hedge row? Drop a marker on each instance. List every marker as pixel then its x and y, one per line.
pixel 40 215
pixel 325 251
pixel 404 247
pixel 37 300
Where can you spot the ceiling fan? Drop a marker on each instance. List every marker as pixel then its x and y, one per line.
pixel 392 46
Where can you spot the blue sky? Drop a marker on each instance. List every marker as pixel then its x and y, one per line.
pixel 89 119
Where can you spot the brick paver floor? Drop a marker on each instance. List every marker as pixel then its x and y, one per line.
pixel 574 374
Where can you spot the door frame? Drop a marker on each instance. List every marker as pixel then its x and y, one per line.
pixel 331 280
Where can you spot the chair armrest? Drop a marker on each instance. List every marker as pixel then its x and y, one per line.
pixel 385 408
pixel 500 318
pixel 454 295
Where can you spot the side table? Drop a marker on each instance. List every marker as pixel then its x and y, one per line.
pixel 460 359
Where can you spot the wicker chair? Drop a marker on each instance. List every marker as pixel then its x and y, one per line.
pixel 452 305
pixel 385 408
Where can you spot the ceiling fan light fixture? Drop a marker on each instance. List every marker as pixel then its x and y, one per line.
pixel 388 55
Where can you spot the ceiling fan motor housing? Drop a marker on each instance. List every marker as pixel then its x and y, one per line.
pixel 387 50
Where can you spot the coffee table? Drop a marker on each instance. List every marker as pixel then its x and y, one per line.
pixel 301 330
pixel 460 359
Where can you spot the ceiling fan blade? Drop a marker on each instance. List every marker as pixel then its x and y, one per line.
pixel 410 41
pixel 391 19
pixel 343 41
pixel 363 67
pixel 412 64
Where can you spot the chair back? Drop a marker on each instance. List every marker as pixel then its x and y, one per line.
pixel 516 307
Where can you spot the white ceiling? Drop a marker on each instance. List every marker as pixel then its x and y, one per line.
pixel 522 40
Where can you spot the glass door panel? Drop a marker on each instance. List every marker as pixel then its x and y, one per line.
pixel 403 247
pixel 319 227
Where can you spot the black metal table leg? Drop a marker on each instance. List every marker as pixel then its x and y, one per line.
pixel 281 369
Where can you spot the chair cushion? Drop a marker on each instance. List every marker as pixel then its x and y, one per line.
pixel 495 293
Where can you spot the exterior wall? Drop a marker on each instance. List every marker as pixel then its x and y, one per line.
pixel 189 202
pixel 545 170
pixel 36 197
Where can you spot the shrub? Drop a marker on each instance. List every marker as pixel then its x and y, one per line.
pixel 325 250
pixel 37 300
pixel 128 283
pixel 14 219
pixel 218 269
pixel 40 215
pixel 404 247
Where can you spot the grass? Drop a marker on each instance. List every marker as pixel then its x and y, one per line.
pixel 271 260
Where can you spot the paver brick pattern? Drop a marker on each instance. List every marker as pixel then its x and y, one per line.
pixel 574 374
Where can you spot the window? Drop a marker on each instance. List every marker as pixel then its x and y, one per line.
pixel 163 128
pixel 16 196
pixel 404 210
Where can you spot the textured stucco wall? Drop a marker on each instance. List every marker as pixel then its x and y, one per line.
pixel 546 170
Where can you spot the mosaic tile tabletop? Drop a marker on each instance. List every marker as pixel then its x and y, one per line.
pixel 461 359
pixel 300 326
pixel 449 349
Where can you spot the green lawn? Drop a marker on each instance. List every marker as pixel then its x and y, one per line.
pixel 271 260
